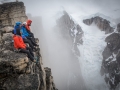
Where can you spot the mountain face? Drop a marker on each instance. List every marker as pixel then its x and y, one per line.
pixel 111 60
pixel 111 57
pixel 118 27
pixel 12 12
pixel 17 71
pixel 72 33
pixel 102 24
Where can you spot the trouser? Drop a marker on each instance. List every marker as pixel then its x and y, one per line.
pixel 29 42
pixel 32 40
pixel 30 34
pixel 28 51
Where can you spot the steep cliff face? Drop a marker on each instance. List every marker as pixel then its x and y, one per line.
pixel 12 12
pixel 17 71
pixel 111 61
pixel 118 27
pixel 102 24
pixel 72 33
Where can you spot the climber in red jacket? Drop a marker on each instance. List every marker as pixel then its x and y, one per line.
pixel 28 28
pixel 29 22
pixel 21 46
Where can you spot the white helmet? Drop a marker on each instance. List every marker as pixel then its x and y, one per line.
pixel 24 23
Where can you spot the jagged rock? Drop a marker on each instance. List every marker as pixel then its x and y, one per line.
pixel 101 23
pixel 118 27
pixel 17 71
pixel 49 79
pixel 7 37
pixel 23 82
pixel 114 41
pixel 1 34
pixel 7 29
pixel 14 60
pixel 111 61
pixel 88 21
pixel 106 53
pixel 12 12
pixel 72 33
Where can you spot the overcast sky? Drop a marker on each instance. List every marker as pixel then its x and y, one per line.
pixel 82 7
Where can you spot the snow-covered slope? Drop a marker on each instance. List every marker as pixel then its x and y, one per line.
pixel 91 56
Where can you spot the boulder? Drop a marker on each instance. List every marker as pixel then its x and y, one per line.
pixel 23 82
pixel 8 29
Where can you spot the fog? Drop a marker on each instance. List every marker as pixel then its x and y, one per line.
pixel 55 49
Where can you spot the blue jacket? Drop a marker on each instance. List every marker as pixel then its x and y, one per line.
pixel 17 26
pixel 24 32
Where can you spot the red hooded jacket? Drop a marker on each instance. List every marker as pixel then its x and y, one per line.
pixel 18 42
pixel 28 24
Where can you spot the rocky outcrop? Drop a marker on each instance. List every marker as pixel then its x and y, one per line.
pixel 111 60
pixel 72 33
pixel 12 12
pixel 71 30
pixel 118 27
pixel 110 68
pixel 102 24
pixel 17 72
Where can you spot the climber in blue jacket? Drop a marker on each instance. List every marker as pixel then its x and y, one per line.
pixel 24 31
pixel 25 34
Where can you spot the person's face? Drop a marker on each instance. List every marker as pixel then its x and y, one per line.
pixel 30 24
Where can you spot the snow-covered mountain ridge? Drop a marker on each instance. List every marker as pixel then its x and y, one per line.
pixel 93 52
pixel 110 64
pixel 101 23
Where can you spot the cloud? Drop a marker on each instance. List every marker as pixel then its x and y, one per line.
pixel 86 7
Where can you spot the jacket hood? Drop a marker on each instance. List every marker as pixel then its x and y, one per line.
pixel 29 22
pixel 18 23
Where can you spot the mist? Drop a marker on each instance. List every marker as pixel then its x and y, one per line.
pixel 55 49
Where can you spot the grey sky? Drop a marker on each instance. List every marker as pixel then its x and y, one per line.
pixel 86 7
